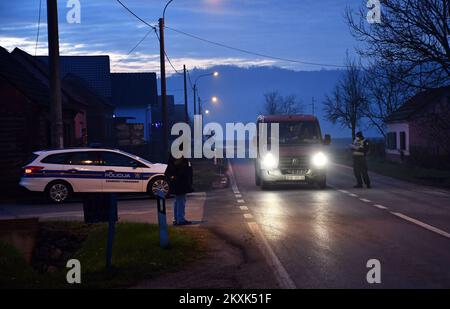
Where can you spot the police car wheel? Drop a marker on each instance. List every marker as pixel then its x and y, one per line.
pixel 58 192
pixel 158 184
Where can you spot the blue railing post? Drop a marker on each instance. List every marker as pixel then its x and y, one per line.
pixel 162 220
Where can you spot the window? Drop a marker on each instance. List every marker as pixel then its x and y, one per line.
pixel 402 141
pixel 30 159
pixel 84 158
pixel 391 140
pixel 298 133
pixel 116 159
pixel 59 158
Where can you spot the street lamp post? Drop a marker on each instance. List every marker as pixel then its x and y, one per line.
pixel 162 54
pixel 195 89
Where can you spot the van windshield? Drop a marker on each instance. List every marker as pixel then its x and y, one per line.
pixel 298 133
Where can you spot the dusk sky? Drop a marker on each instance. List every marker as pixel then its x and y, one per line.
pixel 305 30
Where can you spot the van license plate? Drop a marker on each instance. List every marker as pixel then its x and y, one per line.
pixel 295 177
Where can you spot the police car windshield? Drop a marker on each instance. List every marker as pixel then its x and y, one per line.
pixel 298 133
pixel 137 158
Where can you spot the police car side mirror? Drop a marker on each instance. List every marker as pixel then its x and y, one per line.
pixel 327 139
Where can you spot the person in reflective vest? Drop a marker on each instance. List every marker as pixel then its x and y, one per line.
pixel 360 148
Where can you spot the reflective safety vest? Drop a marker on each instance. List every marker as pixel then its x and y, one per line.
pixel 360 147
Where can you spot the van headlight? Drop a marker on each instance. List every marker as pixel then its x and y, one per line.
pixel 269 162
pixel 319 160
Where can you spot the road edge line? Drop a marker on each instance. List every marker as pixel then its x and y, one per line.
pixel 281 275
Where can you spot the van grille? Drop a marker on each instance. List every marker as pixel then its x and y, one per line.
pixel 294 165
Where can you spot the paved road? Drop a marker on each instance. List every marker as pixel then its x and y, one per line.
pixel 299 237
pixel 323 238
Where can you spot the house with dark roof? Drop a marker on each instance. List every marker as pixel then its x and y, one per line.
pixel 25 115
pixel 94 70
pixel 99 109
pixel 420 127
pixel 134 95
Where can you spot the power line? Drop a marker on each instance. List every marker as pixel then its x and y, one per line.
pixel 167 57
pixel 227 46
pixel 252 52
pixel 139 43
pixel 132 13
pixel 39 27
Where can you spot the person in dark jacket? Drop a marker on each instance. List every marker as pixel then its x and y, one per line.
pixel 360 147
pixel 179 175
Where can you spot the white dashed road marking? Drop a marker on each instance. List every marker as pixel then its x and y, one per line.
pixel 379 206
pixel 241 201
pixel 243 207
pixel 422 224
pixel 248 216
pixel 402 216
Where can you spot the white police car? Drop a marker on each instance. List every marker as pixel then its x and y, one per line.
pixel 59 173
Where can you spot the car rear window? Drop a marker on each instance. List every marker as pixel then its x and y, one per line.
pixel 59 158
pixel 30 159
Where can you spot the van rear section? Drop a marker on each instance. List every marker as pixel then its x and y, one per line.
pixel 302 155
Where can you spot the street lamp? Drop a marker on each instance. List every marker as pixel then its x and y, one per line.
pixel 195 89
pixel 162 54
pixel 214 99
pixel 207 112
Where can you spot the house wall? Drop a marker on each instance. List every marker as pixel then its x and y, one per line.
pixel 420 134
pixel 24 128
pixel 20 133
pixel 80 124
pixel 397 128
pixel 141 115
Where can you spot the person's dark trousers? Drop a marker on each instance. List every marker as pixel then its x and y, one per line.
pixel 360 170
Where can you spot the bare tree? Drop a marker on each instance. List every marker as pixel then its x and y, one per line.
pixel 385 93
pixel 272 103
pixel 276 104
pixel 347 103
pixel 413 34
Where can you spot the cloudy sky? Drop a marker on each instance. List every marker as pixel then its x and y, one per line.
pixel 306 30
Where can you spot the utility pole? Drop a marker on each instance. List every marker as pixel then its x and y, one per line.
pixel 165 122
pixel 185 96
pixel 57 130
pixel 195 99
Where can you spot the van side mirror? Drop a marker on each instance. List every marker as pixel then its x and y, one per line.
pixel 327 139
